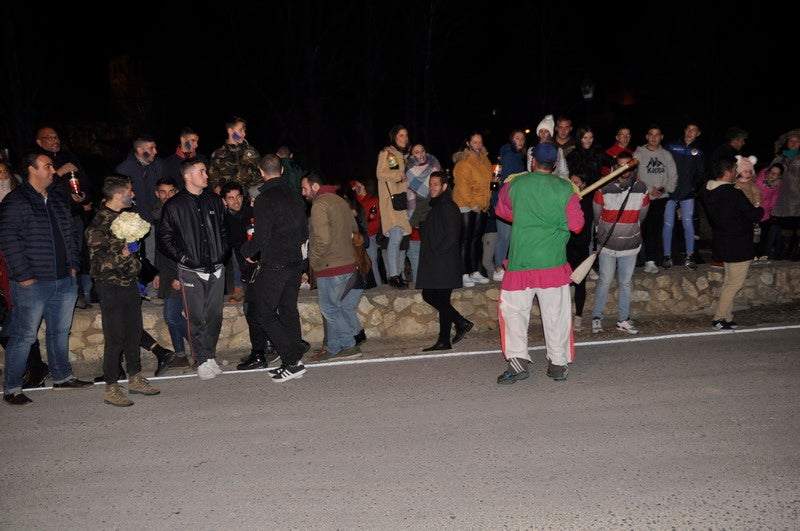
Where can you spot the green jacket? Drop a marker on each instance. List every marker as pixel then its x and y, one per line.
pixel 105 252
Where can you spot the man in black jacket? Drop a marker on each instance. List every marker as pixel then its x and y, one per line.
pixel 732 217
pixel 193 233
pixel 281 228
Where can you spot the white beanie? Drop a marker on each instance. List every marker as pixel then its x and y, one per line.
pixel 548 123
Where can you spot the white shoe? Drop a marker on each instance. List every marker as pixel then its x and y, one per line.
pixel 205 372
pixel 214 367
pixel 477 278
pixel 467 281
pixel 577 322
pixel 627 326
pixel 497 276
pixel 597 326
pixel 650 267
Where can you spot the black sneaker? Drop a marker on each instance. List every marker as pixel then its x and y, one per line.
pixel 721 324
pixel 74 383
pixel 511 376
pixel 667 263
pixel 690 262
pixel 287 372
pixel 17 399
pixel 557 372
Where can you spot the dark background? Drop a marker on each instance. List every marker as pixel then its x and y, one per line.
pixel 330 79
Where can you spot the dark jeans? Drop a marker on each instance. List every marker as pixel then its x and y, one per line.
pixel 448 315
pixel 258 337
pixel 275 294
pixel 472 226
pixel 652 231
pixel 121 311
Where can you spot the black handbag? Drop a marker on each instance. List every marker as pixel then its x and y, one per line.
pixel 399 201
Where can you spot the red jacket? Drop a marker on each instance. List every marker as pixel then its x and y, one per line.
pixel 372 210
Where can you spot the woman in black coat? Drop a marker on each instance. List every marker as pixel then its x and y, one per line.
pixel 440 265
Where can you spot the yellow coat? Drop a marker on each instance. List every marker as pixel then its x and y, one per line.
pixel 472 176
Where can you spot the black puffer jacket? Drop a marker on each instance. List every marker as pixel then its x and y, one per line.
pixel 193 232
pixel 38 239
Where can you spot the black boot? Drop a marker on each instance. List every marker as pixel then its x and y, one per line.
pixel 36 371
pixel 256 360
pixel 360 337
pixel 164 357
pixel 439 345
pixel 462 327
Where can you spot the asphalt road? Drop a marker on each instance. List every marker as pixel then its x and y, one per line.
pixel 695 431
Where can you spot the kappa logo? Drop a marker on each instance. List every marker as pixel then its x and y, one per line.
pixel 656 166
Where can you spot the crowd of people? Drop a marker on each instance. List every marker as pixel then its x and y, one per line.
pixel 191 231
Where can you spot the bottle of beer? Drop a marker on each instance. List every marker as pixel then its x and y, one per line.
pixel 74 183
pixel 392 160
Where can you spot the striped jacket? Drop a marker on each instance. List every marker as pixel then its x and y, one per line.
pixel 626 235
pixel 32 231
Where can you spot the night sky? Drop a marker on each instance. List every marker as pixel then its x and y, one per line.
pixel 332 78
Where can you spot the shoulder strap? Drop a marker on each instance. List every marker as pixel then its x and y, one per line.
pixel 619 215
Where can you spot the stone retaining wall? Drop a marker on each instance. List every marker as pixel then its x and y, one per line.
pixel 389 312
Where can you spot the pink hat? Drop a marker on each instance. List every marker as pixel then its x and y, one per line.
pixel 745 163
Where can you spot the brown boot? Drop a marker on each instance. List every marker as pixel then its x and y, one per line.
pixel 115 397
pixel 138 385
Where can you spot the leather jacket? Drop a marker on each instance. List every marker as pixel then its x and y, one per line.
pixel 193 232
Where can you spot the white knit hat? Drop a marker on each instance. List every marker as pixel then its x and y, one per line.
pixel 548 123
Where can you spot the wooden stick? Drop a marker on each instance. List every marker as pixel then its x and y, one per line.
pixel 604 180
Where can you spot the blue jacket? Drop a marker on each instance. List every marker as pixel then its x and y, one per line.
pixel 691 166
pixel 143 178
pixel 32 231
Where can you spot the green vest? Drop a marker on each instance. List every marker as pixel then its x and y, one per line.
pixel 539 233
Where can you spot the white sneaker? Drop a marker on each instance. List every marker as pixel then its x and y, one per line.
pixel 467 281
pixel 650 267
pixel 478 278
pixel 497 276
pixel 627 326
pixel 597 325
pixel 205 372
pixel 214 367
pixel 577 322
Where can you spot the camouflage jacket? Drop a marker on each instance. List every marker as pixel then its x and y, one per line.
pixel 106 263
pixel 235 162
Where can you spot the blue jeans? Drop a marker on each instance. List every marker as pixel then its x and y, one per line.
pixel 413 257
pixel 687 213
pixel 176 324
pixel 373 251
pixel 393 253
pixel 502 244
pixel 53 301
pixel 624 266
pixel 340 315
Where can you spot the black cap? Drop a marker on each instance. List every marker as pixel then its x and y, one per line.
pixel 732 133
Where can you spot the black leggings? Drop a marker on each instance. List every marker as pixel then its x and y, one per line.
pixel 472 226
pixel 440 300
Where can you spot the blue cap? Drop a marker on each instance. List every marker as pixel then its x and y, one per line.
pixel 545 153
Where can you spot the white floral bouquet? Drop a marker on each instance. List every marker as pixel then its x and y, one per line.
pixel 129 226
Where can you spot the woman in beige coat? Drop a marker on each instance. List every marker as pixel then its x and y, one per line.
pixel 391 173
